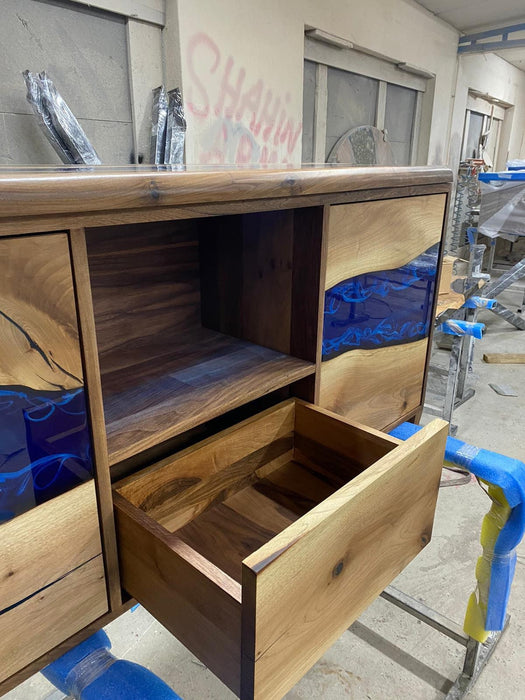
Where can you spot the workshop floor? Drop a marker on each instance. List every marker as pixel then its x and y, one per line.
pixel 387 653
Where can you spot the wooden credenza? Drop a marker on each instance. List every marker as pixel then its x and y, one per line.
pixel 198 371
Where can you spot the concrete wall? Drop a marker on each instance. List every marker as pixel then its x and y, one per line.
pixel 242 66
pixel 491 75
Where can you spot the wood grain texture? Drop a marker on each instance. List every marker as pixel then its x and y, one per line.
pixel 38 328
pixel 48 192
pixel 504 358
pixel 145 287
pixel 197 602
pixel 44 620
pixel 208 376
pixel 95 409
pixel 385 235
pixel 180 487
pixel 47 542
pixel 49 222
pixel 308 584
pixel 375 387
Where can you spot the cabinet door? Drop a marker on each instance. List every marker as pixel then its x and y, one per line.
pixel 50 551
pixel 380 283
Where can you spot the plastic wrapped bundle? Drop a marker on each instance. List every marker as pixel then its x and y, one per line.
pixel 158 125
pixel 175 129
pixel 502 211
pixel 60 124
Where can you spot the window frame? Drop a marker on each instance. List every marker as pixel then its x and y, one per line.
pixel 370 66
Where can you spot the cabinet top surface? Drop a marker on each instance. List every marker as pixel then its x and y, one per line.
pixel 34 191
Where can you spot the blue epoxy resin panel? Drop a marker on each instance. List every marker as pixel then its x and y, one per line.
pixel 378 309
pixel 44 446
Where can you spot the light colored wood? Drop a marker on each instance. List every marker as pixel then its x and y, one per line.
pixel 50 616
pixel 309 583
pixel 38 332
pixel 373 236
pixel 176 489
pixel 374 386
pixel 96 412
pixel 59 191
pixel 49 222
pixel 47 542
pixel 504 358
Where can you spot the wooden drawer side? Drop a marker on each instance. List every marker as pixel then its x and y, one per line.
pixel 307 585
pixel 197 602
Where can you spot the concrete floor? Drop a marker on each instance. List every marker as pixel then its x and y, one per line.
pixel 387 653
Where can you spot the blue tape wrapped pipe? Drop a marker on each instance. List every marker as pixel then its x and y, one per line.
pixel 479 303
pixel 91 672
pixel 509 475
pixel 457 327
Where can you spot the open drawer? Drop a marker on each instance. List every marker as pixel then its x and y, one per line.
pixel 258 547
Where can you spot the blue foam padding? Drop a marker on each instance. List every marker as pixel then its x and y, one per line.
pixel 479 303
pixel 505 175
pixel 509 475
pixel 122 680
pixel 458 327
pixel 57 672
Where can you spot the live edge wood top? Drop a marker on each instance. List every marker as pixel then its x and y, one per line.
pixel 33 191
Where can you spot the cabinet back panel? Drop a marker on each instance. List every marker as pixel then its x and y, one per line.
pixel 145 284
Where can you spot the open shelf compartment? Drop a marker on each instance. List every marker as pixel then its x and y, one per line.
pixel 259 546
pixel 197 317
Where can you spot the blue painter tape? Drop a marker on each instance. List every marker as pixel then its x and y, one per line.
pixel 457 327
pixel 509 475
pixel 479 303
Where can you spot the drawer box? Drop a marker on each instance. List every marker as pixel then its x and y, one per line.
pixel 258 547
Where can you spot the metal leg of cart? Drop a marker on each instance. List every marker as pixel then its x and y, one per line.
pixel 477 655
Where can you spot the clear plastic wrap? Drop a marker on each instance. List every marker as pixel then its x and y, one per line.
pixel 35 98
pixel 175 129
pixel 158 125
pixel 61 125
pixel 502 211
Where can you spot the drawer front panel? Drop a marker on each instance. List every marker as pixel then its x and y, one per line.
pixel 51 615
pixel 47 542
pixel 304 588
pixel 44 437
pixel 380 286
pixel 377 386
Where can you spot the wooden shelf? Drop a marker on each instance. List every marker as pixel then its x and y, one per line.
pixel 205 374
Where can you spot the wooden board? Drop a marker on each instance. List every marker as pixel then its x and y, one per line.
pixel 374 386
pixel 384 235
pixel 307 585
pixel 504 358
pixel 197 602
pixel 207 377
pixel 49 616
pixel 39 343
pixel 47 542
pixel 179 487
pixel 56 191
pixel 95 409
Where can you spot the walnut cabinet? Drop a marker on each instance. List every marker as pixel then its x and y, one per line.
pixel 198 372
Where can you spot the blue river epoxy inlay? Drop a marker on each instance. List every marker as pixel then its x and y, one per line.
pixel 44 446
pixel 378 309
